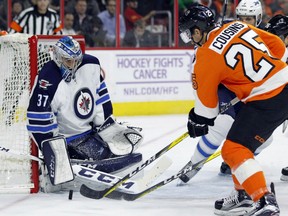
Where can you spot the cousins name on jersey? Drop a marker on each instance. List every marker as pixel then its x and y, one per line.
pixel 220 41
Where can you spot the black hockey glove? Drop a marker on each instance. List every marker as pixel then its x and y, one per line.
pixel 198 125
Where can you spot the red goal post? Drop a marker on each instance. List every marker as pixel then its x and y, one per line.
pixel 22 57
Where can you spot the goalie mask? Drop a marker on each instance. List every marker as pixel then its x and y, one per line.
pixel 198 16
pixel 68 56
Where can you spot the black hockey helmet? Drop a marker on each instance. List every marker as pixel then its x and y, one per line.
pixel 278 25
pixel 198 16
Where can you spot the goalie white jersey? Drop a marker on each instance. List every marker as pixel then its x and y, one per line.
pixel 68 108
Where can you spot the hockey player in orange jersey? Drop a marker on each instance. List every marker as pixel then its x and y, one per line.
pixel 278 25
pixel 249 62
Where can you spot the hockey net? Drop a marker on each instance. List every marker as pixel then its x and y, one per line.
pixel 22 56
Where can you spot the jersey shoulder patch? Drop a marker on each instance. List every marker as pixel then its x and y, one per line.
pixel 49 76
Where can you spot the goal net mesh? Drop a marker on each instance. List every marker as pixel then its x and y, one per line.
pixel 15 173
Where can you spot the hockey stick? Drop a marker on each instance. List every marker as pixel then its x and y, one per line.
pixel 224 11
pixel 133 196
pixel 22 156
pixel 105 192
pixel 97 178
pixel 12 152
pixel 94 194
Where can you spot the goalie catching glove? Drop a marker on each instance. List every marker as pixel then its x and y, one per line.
pixel 120 138
pixel 198 125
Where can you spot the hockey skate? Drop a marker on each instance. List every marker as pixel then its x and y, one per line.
pixel 225 169
pixel 284 176
pixel 189 175
pixel 238 203
pixel 266 206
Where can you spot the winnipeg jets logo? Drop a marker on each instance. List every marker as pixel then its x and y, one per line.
pixel 83 104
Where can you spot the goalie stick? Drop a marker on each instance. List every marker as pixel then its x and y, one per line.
pixel 95 176
pixel 107 191
pixel 17 154
pixel 94 194
pixel 99 179
pixel 133 196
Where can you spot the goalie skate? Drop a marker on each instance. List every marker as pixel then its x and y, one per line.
pixel 238 203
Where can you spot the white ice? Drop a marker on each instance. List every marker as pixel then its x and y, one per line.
pixel 195 199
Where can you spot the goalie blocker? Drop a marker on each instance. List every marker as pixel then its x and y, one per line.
pixel 57 160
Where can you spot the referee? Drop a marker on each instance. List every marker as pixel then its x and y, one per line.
pixel 37 20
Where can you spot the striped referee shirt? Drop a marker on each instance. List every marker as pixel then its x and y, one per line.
pixel 30 21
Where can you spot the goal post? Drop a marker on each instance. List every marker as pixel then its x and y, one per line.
pixel 21 58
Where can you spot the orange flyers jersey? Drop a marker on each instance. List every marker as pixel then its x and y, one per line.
pixel 247 60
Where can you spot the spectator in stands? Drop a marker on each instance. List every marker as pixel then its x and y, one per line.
pixel 98 35
pixel 3 10
pixel 27 3
pixel 284 6
pixel 138 36
pixel 68 24
pixel 55 5
pixel 38 19
pixel 3 23
pixel 108 19
pixel 17 8
pixel 3 15
pixel 33 2
pixel 131 15
pixel 92 7
pixel 82 22
pixel 90 27
pixel 279 7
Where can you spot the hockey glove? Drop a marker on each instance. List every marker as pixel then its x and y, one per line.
pixel 121 139
pixel 198 125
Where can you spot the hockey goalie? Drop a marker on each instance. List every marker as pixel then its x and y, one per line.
pixel 70 118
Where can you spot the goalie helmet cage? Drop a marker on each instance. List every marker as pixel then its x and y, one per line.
pixel 21 56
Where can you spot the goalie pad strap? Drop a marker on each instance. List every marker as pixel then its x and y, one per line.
pixel 57 160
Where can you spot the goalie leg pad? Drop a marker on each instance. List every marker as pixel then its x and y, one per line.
pixel 57 160
pixel 120 138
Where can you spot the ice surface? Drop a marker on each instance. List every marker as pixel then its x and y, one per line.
pixel 195 199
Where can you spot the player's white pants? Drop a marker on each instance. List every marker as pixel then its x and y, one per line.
pixel 209 143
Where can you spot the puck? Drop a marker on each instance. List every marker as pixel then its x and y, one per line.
pixel 70 194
